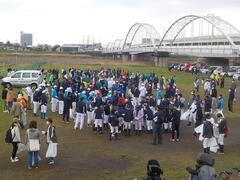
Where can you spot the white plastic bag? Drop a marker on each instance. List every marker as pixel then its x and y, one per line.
pixel 199 130
pixel 213 145
pixel 71 114
pixel 21 147
pixel 215 131
pixel 34 145
pixel 185 116
pixel 24 118
pixel 52 150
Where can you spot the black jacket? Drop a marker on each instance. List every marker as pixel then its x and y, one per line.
pixel 136 92
pixel 80 107
pixel 231 95
pixel 175 117
pixel 222 125
pixel 37 96
pixel 98 113
pixel 214 93
pixel 44 99
pixel 4 93
pixel 199 117
pixel 208 105
pixel 152 102
pixel 121 112
pixel 128 115
pixel 207 129
pixel 61 96
pixel 67 102
pixel 113 120
pixel 159 116
pixel 98 101
pixel 149 114
pixel 107 109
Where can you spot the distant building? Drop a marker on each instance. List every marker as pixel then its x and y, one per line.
pixel 26 39
pixel 72 48
pixel 81 48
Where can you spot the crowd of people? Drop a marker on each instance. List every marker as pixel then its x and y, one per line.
pixel 117 102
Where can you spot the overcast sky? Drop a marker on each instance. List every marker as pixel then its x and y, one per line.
pixel 72 21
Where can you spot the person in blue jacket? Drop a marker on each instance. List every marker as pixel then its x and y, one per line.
pixel 158 96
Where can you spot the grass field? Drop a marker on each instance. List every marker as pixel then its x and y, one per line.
pixel 84 155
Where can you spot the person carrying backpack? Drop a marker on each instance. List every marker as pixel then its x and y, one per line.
pixel 204 168
pixel 13 136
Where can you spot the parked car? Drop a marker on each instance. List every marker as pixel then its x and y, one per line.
pixel 218 70
pixel 231 72
pixel 223 73
pixel 236 76
pixel 24 78
pixel 204 70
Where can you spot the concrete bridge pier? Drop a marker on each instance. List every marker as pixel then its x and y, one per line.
pixel 125 57
pixel 116 56
pixel 161 61
pixel 134 57
pixel 237 62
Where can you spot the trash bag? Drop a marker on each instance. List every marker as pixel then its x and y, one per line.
pixel 52 150
pixel 185 116
pixel 21 148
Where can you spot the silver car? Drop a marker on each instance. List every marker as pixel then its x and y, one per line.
pixel 23 78
pixel 236 76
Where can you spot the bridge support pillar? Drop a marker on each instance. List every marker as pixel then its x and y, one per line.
pixel 161 61
pixel 237 62
pixel 134 57
pixel 125 57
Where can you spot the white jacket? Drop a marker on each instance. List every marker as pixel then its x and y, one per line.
pixel 16 134
pixel 143 91
pixel 193 108
pixel 207 86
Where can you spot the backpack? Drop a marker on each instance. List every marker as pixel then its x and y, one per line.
pixel 9 138
pixel 206 173
pixel 153 170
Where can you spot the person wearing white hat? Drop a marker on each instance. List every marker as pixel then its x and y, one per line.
pixel 43 104
pixel 54 98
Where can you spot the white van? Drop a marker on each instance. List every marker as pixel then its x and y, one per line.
pixel 24 78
